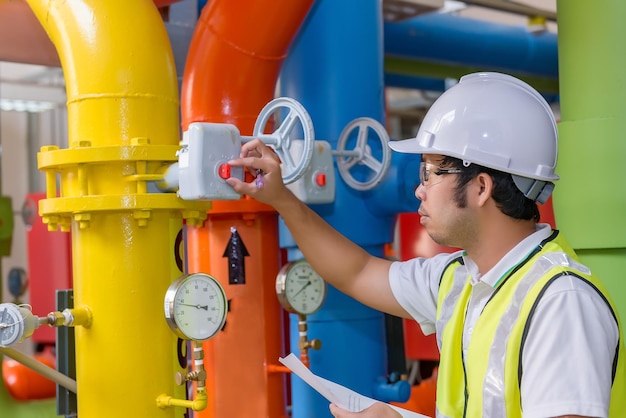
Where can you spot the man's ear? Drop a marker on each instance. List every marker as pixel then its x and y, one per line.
pixel 484 184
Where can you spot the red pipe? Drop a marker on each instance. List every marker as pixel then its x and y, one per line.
pixel 235 57
pixel 231 71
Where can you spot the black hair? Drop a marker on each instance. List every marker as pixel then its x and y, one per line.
pixel 509 199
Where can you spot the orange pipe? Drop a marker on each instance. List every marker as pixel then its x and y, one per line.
pixel 275 368
pixel 235 57
pixel 232 67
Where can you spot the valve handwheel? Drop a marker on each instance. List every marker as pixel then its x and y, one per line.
pixel 280 140
pixel 362 153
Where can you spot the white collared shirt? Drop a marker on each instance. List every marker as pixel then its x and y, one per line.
pixel 569 349
pixel 483 286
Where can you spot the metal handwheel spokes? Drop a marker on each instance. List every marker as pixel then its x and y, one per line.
pixel 362 153
pixel 281 139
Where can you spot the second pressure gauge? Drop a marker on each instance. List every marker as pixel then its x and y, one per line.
pixel 299 288
pixel 17 323
pixel 11 325
pixel 195 306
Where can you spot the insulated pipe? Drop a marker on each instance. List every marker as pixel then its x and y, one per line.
pixel 122 124
pixel 441 45
pixel 590 199
pixel 232 66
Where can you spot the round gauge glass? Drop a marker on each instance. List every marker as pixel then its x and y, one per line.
pixel 195 306
pixel 11 324
pixel 299 288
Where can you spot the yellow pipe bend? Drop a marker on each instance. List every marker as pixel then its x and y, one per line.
pixel 119 68
pixel 122 103
pixel 198 404
pixel 123 120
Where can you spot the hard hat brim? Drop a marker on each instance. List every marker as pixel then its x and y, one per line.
pixel 410 146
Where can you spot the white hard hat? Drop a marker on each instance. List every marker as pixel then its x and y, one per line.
pixel 496 121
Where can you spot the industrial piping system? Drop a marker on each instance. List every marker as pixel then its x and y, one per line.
pixel 231 71
pixel 231 117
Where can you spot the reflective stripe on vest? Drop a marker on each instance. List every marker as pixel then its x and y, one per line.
pixel 489 385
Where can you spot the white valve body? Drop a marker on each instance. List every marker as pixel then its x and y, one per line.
pixel 206 148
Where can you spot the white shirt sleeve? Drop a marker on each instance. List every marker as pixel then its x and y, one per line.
pixel 415 285
pixel 568 353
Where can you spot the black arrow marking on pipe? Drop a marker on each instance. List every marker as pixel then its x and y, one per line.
pixel 236 252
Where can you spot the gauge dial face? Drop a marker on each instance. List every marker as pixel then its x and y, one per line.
pixel 299 288
pixel 195 306
pixel 11 324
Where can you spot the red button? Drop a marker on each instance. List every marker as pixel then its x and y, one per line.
pixel 224 171
pixel 320 179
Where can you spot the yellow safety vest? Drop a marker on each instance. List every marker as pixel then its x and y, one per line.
pixel 487 383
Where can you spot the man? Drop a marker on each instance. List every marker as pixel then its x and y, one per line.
pixel 523 328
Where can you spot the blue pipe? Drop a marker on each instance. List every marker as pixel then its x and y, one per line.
pixel 335 69
pixel 417 83
pixel 445 38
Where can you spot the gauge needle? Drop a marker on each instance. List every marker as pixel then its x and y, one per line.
pixel 205 307
pixel 303 287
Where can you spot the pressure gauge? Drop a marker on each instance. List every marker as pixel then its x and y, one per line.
pixel 195 306
pixel 17 323
pixel 299 288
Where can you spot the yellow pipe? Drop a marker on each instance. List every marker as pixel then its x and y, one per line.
pixel 198 404
pixel 198 375
pixel 122 102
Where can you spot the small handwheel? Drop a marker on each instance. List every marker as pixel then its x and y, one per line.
pixel 362 153
pixel 280 139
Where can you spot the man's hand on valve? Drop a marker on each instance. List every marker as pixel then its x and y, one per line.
pixel 263 163
pixel 377 410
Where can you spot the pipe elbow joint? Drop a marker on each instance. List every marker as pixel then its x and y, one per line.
pixel 398 391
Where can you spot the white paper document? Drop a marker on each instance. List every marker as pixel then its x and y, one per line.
pixel 334 393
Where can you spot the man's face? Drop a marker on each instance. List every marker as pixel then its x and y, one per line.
pixel 446 223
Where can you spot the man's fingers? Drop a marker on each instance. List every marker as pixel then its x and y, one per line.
pixel 256 147
pixel 241 187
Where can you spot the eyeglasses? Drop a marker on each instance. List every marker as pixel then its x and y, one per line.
pixel 427 169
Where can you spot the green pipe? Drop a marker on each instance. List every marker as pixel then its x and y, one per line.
pixel 590 199
pixel 421 68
